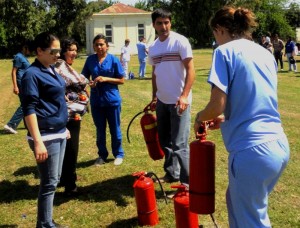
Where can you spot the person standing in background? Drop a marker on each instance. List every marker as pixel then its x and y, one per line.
pixel 173 75
pixel 105 73
pixel 241 73
pixel 125 57
pixel 289 53
pixel 77 101
pixel 20 64
pixel 278 46
pixel 142 56
pixel 45 112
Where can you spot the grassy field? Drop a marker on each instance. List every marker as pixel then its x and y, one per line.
pixel 107 198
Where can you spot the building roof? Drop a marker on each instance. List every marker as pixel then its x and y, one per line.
pixel 121 8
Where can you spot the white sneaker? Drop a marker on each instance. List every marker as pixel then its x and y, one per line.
pixel 10 130
pixel 99 161
pixel 118 161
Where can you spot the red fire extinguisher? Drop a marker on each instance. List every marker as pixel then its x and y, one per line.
pixel 149 128
pixel 202 175
pixel 184 217
pixel 145 200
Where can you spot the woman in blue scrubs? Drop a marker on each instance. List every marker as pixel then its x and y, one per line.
pixel 105 73
pixel 244 105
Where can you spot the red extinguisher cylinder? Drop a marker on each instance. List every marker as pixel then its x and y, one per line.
pixel 146 201
pixel 184 217
pixel 149 128
pixel 202 177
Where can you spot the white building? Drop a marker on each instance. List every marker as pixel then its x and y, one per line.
pixel 119 22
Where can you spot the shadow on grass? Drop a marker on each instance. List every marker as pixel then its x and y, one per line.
pixel 15 191
pixel 132 222
pixel 27 170
pixel 108 190
pixel 8 226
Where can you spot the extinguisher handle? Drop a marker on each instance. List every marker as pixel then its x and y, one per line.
pixel 148 107
pixel 140 173
pixel 181 187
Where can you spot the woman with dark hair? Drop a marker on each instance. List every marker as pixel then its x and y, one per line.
pixel 106 73
pixel 77 100
pixel 45 112
pixel 244 104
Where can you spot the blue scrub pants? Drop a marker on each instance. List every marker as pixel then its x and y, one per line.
pixel 142 68
pixel 111 115
pixel 173 132
pixel 253 173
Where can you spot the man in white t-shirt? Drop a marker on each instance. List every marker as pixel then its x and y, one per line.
pixel 173 75
pixel 125 56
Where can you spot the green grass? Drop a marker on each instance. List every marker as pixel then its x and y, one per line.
pixel 108 198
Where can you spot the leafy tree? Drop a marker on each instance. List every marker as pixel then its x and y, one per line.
pixel 193 20
pixel 292 15
pixel 79 30
pixel 21 20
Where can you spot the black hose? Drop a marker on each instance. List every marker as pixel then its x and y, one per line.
pixel 164 193
pixel 130 124
pixel 214 221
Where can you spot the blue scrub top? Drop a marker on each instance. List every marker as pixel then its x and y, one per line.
pixel 247 73
pixel 104 94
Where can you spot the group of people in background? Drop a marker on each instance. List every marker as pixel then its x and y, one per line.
pixel 126 51
pixel 277 47
pixel 251 127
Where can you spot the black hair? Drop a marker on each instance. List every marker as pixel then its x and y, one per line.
pixel 161 13
pixel 65 45
pixel 44 40
pixel 100 36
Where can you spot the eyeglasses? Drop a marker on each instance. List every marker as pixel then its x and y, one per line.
pixel 53 51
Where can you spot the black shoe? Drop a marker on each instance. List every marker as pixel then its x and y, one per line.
pixel 71 193
pixel 166 179
pixel 58 225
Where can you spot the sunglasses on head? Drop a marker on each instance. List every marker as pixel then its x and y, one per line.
pixel 53 51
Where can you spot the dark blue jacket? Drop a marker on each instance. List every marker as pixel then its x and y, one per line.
pixel 44 95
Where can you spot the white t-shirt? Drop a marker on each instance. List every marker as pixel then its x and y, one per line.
pixel 126 53
pixel 167 57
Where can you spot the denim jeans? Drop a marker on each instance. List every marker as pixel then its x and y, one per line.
pixel 18 115
pixel 49 172
pixel 173 133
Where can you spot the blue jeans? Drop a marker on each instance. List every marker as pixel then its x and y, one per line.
pixel 18 115
pixel 142 69
pixel 253 173
pixel 110 114
pixel 49 172
pixel 173 133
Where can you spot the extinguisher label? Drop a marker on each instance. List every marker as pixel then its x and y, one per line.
pixel 150 126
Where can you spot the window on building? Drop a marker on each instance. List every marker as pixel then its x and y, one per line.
pixel 141 31
pixel 108 33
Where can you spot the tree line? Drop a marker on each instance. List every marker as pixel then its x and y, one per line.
pixel 23 20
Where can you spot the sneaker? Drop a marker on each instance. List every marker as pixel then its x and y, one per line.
pixel 99 161
pixel 10 130
pixel 118 161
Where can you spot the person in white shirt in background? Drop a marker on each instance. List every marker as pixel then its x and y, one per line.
pixel 125 57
